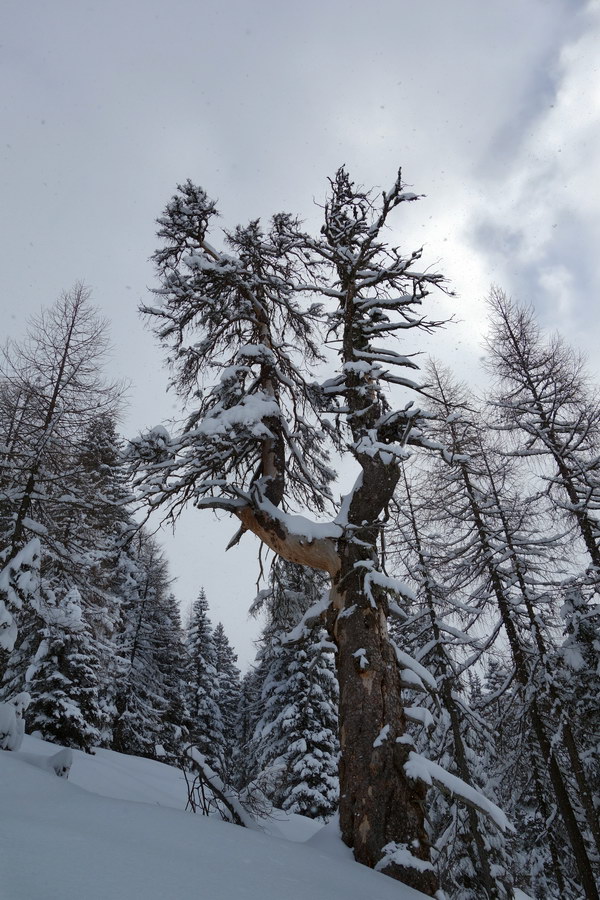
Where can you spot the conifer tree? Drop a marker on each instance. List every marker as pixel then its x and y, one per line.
pixel 202 686
pixel 242 328
pixel 146 687
pixel 51 390
pixel 511 568
pixel 295 743
pixel 229 688
pixel 54 384
pixel 63 680
pixel 245 766
pixel 469 851
pixel 170 658
pixel 543 394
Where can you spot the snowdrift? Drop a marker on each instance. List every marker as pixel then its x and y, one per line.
pixel 116 830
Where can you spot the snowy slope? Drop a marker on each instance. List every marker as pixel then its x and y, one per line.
pixel 114 832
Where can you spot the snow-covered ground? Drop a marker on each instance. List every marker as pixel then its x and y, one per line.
pixel 117 830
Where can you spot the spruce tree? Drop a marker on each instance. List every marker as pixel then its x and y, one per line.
pixel 63 680
pixel 228 677
pixel 146 645
pixel 206 725
pixel 248 713
pixel 170 657
pixel 295 743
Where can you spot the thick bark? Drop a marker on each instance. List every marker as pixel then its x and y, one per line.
pixel 379 804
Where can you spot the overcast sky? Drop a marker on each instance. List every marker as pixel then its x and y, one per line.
pixel 491 108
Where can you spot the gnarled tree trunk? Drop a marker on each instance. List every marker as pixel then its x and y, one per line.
pixel 381 810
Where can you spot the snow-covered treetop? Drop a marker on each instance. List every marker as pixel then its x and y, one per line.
pixel 245 328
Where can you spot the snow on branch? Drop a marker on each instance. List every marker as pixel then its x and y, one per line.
pixel 422 769
pixel 408 662
pixel 411 681
pixel 379 579
pixel 19 582
pixel 310 617
pixel 419 715
pixel 239 815
pixel 400 855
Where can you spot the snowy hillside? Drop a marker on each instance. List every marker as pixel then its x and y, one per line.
pixel 116 830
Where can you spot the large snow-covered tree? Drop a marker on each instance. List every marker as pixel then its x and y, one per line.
pixel 242 327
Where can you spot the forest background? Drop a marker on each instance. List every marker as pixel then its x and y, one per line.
pixel 493 111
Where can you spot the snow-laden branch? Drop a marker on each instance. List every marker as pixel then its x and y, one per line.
pixel 239 815
pixel 310 617
pixel 408 662
pixel 422 769
pixel 296 538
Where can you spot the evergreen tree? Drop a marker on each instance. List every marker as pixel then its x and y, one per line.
pixel 19 587
pixel 577 666
pixel 206 724
pixel 64 677
pixel 295 742
pixel 245 766
pixel 147 645
pixel 228 677
pixel 170 657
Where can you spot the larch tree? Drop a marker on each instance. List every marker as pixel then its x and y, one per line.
pixel 244 327
pixel 55 380
pixel 436 626
pixel 51 389
pixel 543 396
pixel 513 568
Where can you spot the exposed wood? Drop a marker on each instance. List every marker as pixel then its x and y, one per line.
pixel 319 553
